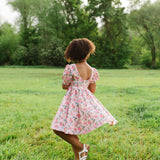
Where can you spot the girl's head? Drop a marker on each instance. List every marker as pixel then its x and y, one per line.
pixel 79 50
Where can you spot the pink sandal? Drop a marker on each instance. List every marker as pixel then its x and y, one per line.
pixel 85 150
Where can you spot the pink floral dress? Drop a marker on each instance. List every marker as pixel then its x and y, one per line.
pixel 80 112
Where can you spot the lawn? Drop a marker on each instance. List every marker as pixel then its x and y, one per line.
pixel 30 97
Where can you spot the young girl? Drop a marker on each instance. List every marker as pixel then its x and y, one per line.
pixel 80 112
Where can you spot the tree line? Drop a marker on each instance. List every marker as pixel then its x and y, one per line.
pixel 45 28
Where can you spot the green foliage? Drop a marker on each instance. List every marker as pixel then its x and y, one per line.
pixel 50 19
pixel 41 22
pixel 136 43
pixel 26 10
pixel 8 42
pixel 30 36
pixel 18 57
pixel 114 46
pixel 35 38
pixel 78 22
pixel 66 20
pixel 144 21
pixel 146 58
pixel 26 55
pixel 53 54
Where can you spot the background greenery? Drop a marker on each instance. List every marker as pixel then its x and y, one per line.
pixel 30 97
pixel 45 27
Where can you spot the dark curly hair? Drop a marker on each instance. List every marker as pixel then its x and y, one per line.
pixel 79 50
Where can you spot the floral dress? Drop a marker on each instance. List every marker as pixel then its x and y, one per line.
pixel 80 111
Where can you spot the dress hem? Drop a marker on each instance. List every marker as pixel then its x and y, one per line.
pixel 114 123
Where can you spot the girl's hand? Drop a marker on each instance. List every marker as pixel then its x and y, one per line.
pixel 65 86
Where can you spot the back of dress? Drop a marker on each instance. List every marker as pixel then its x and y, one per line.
pixel 80 111
pixel 72 77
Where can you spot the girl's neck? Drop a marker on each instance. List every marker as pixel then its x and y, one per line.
pixel 84 61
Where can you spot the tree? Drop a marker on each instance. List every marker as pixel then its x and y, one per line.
pixel 50 20
pixel 8 42
pixel 146 22
pixel 37 27
pixel 45 24
pixel 25 8
pixel 78 23
pixel 114 36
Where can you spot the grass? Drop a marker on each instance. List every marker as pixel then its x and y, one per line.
pixel 30 97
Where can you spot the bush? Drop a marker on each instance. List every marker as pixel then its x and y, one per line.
pixel 18 56
pixel 26 56
pixel 33 55
pixel 54 54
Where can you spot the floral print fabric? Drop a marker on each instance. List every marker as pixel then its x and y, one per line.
pixel 80 111
pixel 67 75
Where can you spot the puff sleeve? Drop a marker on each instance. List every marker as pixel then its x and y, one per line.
pixel 95 76
pixel 67 75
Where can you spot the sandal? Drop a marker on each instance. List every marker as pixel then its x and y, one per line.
pixel 85 150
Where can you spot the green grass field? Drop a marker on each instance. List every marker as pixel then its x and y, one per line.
pixel 30 97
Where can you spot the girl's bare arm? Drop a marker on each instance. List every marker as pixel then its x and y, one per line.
pixel 92 87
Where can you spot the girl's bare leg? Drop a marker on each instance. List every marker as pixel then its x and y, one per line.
pixel 73 140
pixel 75 153
pixel 75 150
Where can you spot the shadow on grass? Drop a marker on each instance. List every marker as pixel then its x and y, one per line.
pixel 7 138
